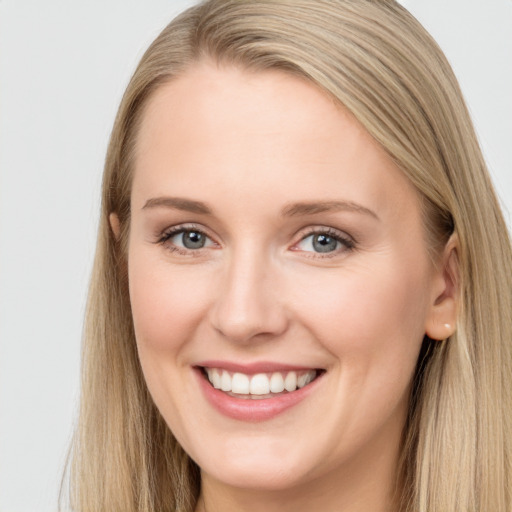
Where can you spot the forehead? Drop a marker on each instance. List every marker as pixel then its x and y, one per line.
pixel 221 105
pixel 231 131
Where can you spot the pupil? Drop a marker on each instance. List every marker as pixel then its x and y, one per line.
pixel 193 240
pixel 324 243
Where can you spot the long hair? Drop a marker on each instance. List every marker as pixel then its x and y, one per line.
pixel 374 58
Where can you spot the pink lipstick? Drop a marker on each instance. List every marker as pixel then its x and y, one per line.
pixel 255 392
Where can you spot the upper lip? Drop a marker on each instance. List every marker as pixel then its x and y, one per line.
pixel 255 367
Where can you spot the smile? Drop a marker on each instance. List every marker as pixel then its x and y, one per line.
pixel 255 392
pixel 260 385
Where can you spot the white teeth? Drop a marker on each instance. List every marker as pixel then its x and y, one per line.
pixel 290 383
pixel 225 382
pixel 240 384
pixel 304 379
pixel 259 384
pixel 215 379
pixel 276 383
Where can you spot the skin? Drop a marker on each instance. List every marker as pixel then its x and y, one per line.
pixel 248 145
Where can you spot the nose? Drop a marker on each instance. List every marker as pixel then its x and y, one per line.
pixel 248 305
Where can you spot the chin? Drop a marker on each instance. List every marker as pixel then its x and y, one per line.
pixel 268 477
pixel 260 468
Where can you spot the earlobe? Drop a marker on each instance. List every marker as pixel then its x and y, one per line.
pixel 441 321
pixel 115 225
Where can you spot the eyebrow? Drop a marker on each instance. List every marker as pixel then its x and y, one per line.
pixel 178 203
pixel 290 210
pixel 311 208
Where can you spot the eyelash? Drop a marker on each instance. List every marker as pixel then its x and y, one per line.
pixel 166 236
pixel 346 241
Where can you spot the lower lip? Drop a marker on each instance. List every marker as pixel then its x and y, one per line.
pixel 246 409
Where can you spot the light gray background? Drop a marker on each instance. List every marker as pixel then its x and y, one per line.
pixel 63 67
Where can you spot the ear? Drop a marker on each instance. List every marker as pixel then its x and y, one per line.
pixel 442 318
pixel 115 225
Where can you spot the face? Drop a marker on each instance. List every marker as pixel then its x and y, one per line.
pixel 279 279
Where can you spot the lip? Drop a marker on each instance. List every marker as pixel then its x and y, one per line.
pixel 249 410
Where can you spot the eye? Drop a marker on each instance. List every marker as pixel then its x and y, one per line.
pixel 325 242
pixel 189 239
pixel 182 239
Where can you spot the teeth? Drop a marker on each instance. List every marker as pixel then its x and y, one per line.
pixel 305 379
pixel 216 380
pixel 259 384
pixel 214 377
pixel 276 383
pixel 225 381
pixel 240 384
pixel 290 383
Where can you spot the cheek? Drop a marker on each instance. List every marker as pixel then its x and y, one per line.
pixel 372 323
pixel 167 306
pixel 370 316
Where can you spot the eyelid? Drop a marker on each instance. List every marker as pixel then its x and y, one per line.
pixel 163 237
pixel 348 242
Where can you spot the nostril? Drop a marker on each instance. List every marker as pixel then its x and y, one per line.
pixel 246 308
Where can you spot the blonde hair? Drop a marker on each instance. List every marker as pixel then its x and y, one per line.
pixel 373 57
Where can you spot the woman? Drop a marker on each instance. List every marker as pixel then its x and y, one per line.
pixel 302 289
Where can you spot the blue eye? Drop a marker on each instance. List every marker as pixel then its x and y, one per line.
pixel 183 239
pixel 324 242
pixel 189 239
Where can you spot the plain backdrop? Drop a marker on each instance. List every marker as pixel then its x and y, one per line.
pixel 63 67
